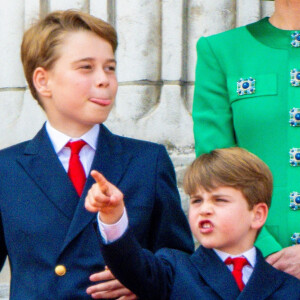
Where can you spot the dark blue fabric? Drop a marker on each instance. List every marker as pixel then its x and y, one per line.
pixel 173 274
pixel 44 222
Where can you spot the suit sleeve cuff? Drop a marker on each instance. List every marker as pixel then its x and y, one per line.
pixel 112 232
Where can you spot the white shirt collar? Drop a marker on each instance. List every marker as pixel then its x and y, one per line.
pixel 249 254
pixel 59 139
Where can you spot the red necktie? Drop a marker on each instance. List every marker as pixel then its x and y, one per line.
pixel 238 264
pixel 76 171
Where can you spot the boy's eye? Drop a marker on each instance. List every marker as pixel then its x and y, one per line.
pixel 221 200
pixel 110 68
pixel 196 200
pixel 86 67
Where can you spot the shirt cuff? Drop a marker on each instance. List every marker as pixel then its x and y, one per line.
pixel 112 232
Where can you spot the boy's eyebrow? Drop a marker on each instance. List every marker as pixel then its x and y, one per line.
pixel 220 195
pixel 109 60
pixel 112 60
pixel 213 194
pixel 195 196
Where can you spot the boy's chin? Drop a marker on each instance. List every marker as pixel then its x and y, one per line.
pixel 99 120
pixel 208 245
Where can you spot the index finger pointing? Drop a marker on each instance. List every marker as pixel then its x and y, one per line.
pixel 101 180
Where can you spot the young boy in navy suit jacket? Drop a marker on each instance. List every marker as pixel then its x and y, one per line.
pixel 45 231
pixel 230 193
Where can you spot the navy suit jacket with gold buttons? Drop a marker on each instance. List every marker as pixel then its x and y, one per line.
pixel 173 274
pixel 43 222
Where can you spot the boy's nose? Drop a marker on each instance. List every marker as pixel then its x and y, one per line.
pixel 102 79
pixel 206 209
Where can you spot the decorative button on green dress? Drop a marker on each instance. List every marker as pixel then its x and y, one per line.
pixel 247 85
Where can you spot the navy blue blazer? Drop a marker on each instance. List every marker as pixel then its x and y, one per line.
pixel 43 222
pixel 173 274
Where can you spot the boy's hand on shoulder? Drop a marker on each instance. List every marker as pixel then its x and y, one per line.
pixel 105 198
pixel 287 260
pixel 111 288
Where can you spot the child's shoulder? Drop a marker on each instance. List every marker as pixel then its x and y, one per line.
pixel 9 156
pixel 27 147
pixel 175 253
pixel 139 143
pixel 136 145
pixel 176 259
pixel 13 150
pixel 288 279
pixel 283 284
pixel 289 287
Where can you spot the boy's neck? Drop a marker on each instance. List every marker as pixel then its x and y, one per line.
pixel 225 254
pixel 71 131
pixel 250 255
pixel 286 15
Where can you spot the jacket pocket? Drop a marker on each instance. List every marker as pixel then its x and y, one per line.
pixel 265 85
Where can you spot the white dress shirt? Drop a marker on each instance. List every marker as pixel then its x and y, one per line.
pixel 250 255
pixel 87 153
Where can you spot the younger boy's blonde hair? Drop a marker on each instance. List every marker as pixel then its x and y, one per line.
pixel 233 167
pixel 41 41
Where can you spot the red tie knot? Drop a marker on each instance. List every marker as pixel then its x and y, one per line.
pixel 76 146
pixel 237 262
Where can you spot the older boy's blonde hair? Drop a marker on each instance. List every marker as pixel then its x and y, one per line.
pixel 41 41
pixel 233 167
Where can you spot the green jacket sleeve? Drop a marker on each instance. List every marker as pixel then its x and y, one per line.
pixel 213 120
pixel 213 127
pixel 267 243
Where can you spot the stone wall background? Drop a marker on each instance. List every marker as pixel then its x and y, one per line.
pixel 156 63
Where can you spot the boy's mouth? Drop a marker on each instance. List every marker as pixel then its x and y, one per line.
pixel 206 226
pixel 101 101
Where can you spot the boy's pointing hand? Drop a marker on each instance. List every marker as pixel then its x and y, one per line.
pixel 105 198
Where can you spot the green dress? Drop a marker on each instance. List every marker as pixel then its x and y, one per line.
pixel 247 94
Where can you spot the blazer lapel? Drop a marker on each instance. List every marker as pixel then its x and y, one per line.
pixel 215 273
pixel 41 163
pixel 112 161
pixel 263 281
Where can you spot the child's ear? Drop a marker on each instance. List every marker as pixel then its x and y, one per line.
pixel 260 213
pixel 40 81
